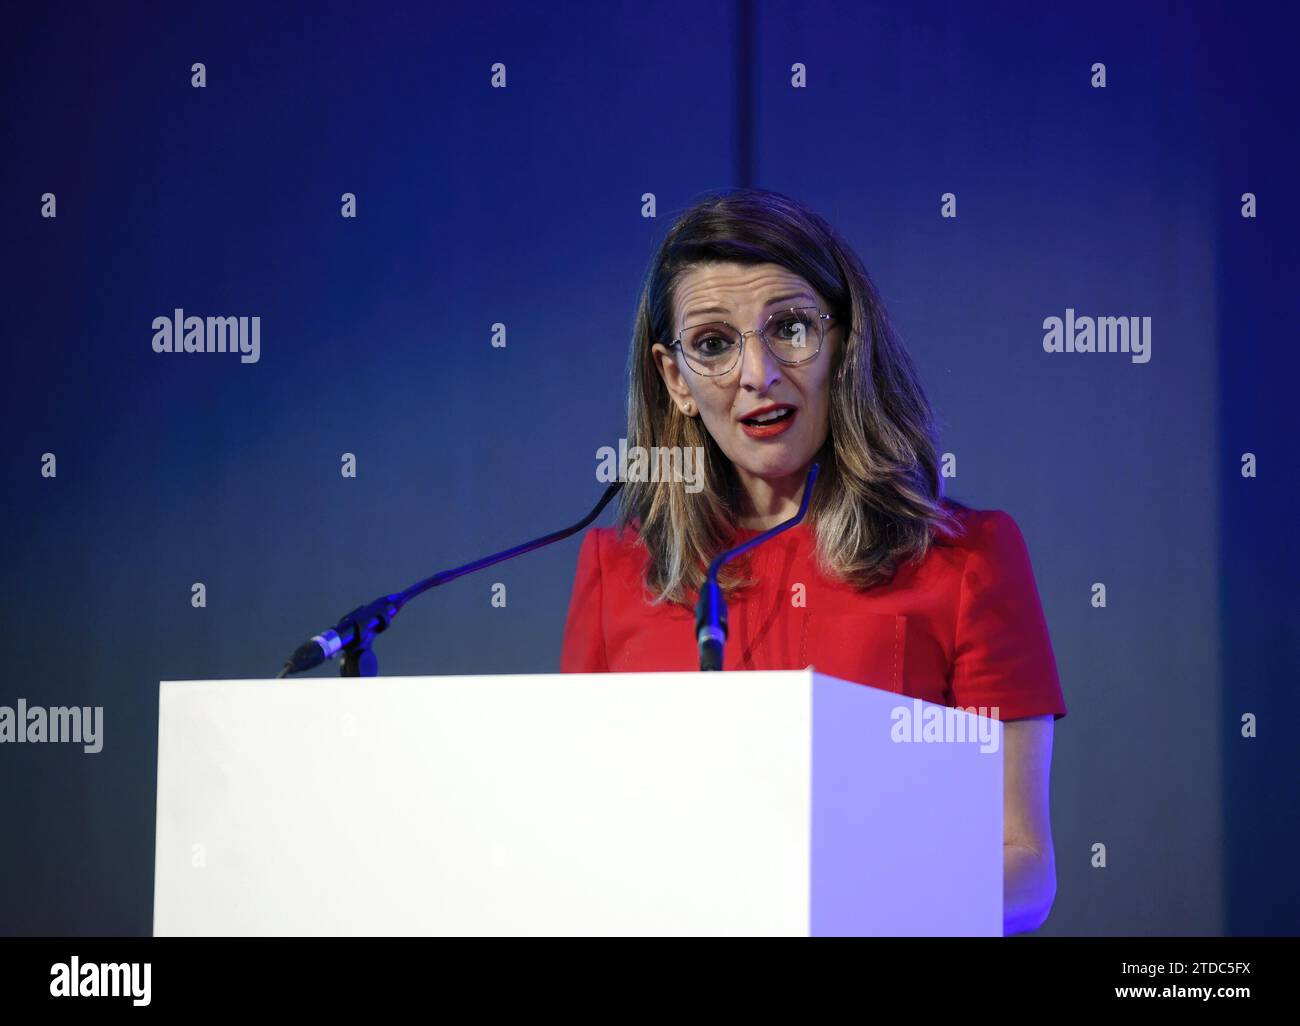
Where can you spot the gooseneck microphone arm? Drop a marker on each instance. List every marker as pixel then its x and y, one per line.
pixel 711 609
pixel 353 634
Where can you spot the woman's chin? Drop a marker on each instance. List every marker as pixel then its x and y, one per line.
pixel 776 468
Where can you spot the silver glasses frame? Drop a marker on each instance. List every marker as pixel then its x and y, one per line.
pixel 761 333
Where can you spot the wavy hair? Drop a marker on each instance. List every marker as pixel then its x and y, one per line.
pixel 878 501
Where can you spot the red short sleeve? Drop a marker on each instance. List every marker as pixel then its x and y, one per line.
pixel 1003 655
pixel 584 634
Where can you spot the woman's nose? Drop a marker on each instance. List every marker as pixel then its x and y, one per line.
pixel 758 370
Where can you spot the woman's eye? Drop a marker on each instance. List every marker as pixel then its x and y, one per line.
pixel 711 345
pixel 793 329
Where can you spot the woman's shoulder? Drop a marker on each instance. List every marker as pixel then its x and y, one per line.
pixel 987 534
pixel 974 529
pixel 979 529
pixel 611 546
pixel 990 545
pixel 615 535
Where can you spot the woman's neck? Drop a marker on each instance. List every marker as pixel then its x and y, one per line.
pixel 768 502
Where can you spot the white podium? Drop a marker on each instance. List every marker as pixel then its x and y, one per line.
pixel 759 803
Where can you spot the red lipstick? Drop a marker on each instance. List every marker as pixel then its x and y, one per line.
pixel 768 426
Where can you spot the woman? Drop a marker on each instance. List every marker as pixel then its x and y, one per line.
pixel 761 339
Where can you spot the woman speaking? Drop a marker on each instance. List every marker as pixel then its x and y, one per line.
pixel 761 342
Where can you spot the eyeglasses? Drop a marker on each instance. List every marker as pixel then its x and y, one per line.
pixel 792 336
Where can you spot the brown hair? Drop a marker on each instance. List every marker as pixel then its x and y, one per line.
pixel 878 499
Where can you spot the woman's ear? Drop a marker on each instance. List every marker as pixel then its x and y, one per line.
pixel 672 374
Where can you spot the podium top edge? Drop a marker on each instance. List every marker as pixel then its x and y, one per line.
pixel 803 674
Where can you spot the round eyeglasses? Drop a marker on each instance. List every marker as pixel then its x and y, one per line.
pixel 792 336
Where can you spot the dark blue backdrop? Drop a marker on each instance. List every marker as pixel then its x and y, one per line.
pixel 523 206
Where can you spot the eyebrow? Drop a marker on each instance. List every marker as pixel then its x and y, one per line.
pixel 723 310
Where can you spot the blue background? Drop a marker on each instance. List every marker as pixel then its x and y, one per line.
pixel 523 206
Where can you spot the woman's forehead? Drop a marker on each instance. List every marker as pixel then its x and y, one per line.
pixel 717 289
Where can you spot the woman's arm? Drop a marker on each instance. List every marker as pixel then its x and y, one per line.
pixel 1029 862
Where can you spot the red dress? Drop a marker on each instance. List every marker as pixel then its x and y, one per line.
pixel 964 628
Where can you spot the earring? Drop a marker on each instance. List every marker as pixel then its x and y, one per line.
pixel 688 408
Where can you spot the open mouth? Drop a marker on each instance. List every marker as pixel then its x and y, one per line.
pixel 769 423
pixel 776 416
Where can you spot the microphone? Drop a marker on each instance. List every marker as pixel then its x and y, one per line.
pixel 711 609
pixel 353 634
